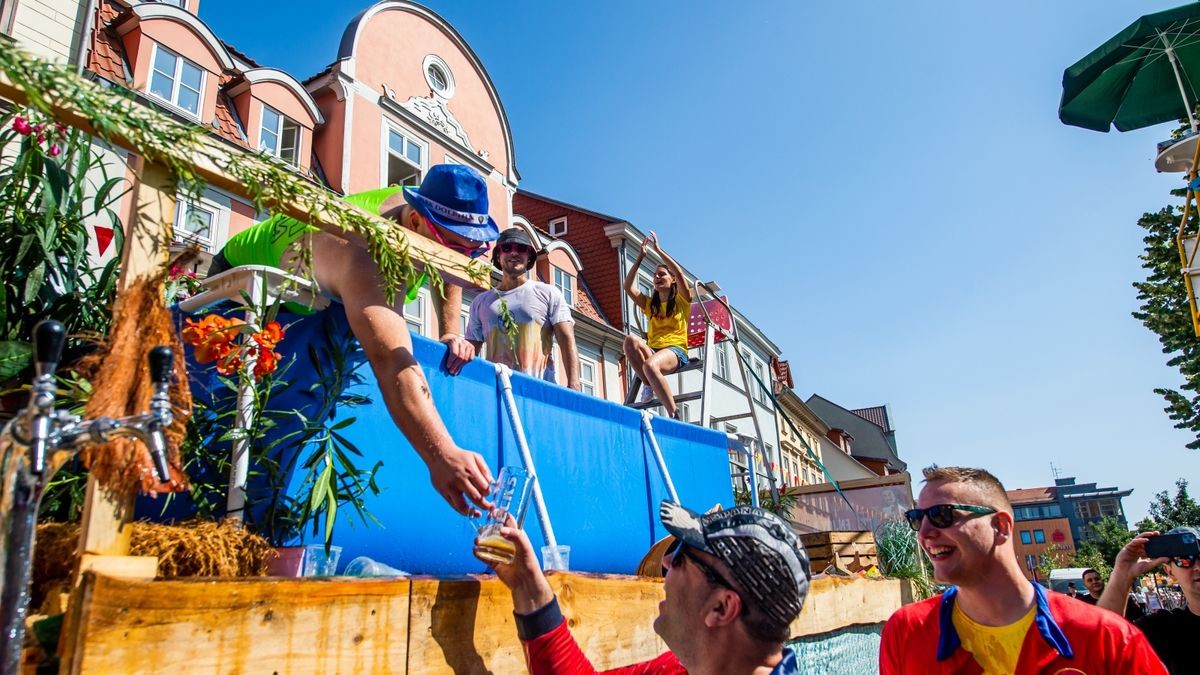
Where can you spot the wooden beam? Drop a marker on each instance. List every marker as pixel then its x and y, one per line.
pixel 422 625
pixel 331 625
pixel 211 158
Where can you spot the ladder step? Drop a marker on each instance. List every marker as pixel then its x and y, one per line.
pixel 654 403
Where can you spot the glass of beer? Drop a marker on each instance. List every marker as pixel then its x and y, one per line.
pixel 508 494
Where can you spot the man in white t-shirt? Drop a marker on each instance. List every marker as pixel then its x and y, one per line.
pixel 538 310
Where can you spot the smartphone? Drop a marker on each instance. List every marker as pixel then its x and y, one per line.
pixel 1172 545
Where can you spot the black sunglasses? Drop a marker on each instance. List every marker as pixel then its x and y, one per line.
pixel 1183 561
pixel 679 550
pixel 509 247
pixel 942 515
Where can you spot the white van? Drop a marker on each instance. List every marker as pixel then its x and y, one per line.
pixel 1061 577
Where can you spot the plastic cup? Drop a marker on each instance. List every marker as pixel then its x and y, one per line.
pixel 362 566
pixel 509 494
pixel 318 563
pixel 556 558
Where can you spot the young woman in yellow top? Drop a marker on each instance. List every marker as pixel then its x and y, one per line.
pixel 668 307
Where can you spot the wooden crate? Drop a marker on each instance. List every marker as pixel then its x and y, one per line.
pixel 849 551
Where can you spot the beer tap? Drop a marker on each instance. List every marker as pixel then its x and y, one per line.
pixel 26 444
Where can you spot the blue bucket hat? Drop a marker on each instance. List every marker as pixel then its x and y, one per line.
pixel 454 197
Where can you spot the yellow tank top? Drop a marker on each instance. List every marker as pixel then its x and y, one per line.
pixel 996 648
pixel 671 330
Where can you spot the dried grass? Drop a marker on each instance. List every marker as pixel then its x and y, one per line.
pixel 197 548
pixel 121 386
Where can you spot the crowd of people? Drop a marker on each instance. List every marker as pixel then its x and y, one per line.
pixel 735 580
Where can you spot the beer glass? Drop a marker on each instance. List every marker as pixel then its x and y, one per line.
pixel 508 494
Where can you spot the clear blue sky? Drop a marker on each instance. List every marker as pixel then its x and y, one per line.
pixel 884 188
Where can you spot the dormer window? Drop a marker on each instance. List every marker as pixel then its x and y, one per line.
pixel 176 80
pixel 565 283
pixel 279 136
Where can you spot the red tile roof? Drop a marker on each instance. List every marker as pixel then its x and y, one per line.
pixel 1032 495
pixel 876 415
pixel 106 57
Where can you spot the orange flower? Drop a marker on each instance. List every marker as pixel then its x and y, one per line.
pixel 270 335
pixel 268 361
pixel 229 363
pixel 209 351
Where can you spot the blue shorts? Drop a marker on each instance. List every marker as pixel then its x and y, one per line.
pixel 680 353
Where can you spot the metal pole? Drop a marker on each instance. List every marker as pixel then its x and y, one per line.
pixel 1187 105
pixel 658 456
pixel 239 466
pixel 539 502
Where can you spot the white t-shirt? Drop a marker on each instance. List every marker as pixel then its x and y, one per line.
pixel 536 307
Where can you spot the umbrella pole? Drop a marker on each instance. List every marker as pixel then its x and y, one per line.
pixel 1182 90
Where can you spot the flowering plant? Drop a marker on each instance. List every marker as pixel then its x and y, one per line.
pixel 215 339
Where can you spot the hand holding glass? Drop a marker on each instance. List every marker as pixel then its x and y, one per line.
pixel 508 494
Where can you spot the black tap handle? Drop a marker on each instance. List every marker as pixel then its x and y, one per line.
pixel 48 339
pixel 162 361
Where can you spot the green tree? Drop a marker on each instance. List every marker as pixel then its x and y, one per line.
pixel 1105 539
pixel 1165 311
pixel 1167 513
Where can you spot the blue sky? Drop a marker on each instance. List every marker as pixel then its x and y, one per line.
pixel 884 188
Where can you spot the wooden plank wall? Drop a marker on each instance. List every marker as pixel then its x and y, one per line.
pixel 418 625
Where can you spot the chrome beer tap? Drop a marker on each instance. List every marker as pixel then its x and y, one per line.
pixel 26 444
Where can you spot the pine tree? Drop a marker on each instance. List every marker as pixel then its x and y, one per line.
pixel 1165 311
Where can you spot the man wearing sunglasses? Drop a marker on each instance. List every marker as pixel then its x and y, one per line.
pixel 538 310
pixel 735 581
pixel 1170 632
pixel 992 619
pixel 450 206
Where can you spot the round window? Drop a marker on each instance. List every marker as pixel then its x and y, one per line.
pixel 438 75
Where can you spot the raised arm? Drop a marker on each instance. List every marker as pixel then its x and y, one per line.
pixel 1129 564
pixel 683 289
pixel 631 276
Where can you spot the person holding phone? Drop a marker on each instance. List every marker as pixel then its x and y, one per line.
pixel 1170 632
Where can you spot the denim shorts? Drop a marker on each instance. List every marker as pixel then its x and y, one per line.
pixel 680 353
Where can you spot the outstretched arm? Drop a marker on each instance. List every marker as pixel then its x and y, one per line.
pixel 683 289
pixel 631 276
pixel 1128 566
pixel 341 265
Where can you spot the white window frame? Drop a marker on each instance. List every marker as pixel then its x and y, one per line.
pixel 557 226
pixel 176 83
pixel 587 386
pixel 213 202
pixel 418 321
pixel 181 4
pixel 433 60
pixel 278 132
pixel 565 283
pixel 390 127
pixel 722 361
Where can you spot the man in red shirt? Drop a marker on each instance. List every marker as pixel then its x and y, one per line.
pixel 992 619
pixel 735 581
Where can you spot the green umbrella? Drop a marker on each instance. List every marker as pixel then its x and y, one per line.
pixel 1146 74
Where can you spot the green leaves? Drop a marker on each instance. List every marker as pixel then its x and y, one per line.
pixel 1165 310
pixel 14 357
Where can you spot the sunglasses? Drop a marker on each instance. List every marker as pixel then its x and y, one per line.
pixel 678 551
pixel 469 251
pixel 509 247
pixel 1183 561
pixel 942 515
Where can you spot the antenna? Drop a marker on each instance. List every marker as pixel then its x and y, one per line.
pixel 1054 471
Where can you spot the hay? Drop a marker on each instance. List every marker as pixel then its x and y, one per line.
pixel 196 548
pixel 121 386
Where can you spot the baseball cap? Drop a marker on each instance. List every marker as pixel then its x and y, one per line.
pixel 761 550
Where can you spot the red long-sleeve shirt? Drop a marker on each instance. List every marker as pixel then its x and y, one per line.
pixel 551 650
